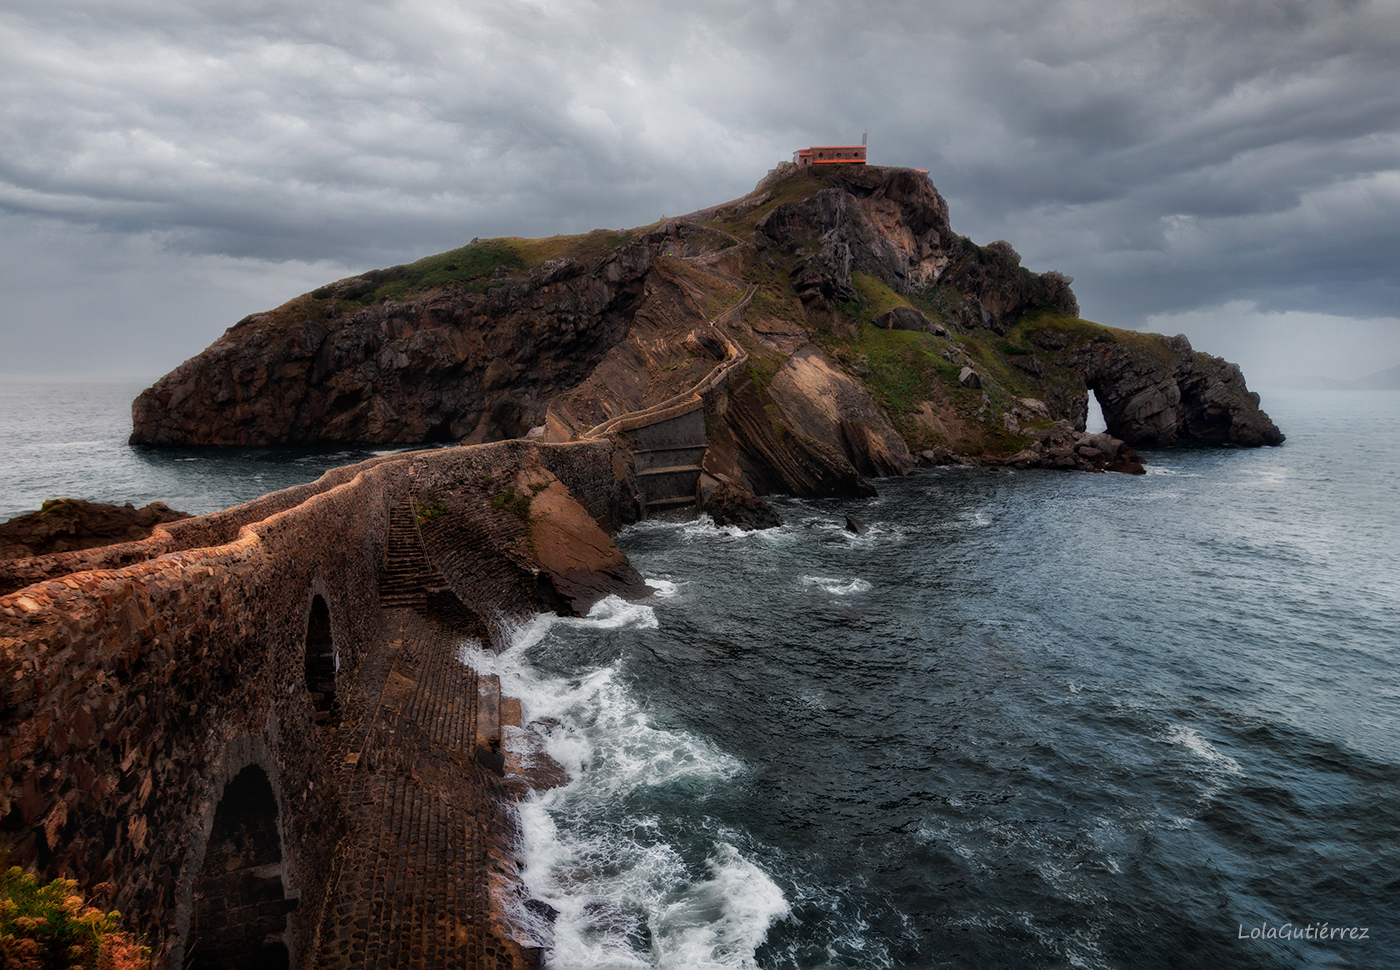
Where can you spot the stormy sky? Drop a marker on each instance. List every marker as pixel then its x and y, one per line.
pixel 1225 168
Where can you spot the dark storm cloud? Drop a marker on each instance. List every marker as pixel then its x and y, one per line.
pixel 1170 156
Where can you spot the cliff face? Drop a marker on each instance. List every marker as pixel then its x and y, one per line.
pixel 893 224
pixel 357 361
pixel 856 334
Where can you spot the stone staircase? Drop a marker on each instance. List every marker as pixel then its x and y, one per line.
pixel 670 436
pixel 407 574
pixel 418 760
pixel 412 887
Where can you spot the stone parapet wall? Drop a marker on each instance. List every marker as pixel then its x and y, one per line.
pixel 199 532
pixel 131 695
pixel 126 690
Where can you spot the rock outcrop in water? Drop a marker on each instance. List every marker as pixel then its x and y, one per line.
pixel 727 504
pixel 831 323
pixel 1156 391
pixel 68 524
pixel 362 360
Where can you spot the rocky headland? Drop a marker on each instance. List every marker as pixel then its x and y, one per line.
pixel 856 333
pixel 67 524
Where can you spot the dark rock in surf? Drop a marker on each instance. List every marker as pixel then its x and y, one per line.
pixel 1063 447
pixel 731 505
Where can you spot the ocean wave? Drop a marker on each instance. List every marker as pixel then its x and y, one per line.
pixel 704 528
pixel 834 533
pixel 516 635
pixel 622 893
pixel 1156 469
pixel 1213 770
pixel 663 588
pixel 721 921
pixel 837 587
pixel 1193 741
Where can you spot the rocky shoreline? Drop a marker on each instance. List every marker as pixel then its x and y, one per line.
pixel 66 524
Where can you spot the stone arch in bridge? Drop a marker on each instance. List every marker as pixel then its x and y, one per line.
pixel 322 660
pixel 240 904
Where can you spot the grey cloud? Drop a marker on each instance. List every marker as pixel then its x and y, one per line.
pixel 1169 155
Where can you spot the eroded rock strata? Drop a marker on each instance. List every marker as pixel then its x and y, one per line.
pixel 842 326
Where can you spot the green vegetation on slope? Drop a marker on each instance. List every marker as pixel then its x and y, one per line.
pixel 50 927
pixel 902 370
pixel 472 267
pixel 467 265
pixel 743 223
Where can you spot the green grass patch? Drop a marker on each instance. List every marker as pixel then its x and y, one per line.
pixel 776 423
pixel 589 245
pixel 793 190
pixel 471 267
pixel 763 368
pixel 466 265
pixel 779 305
pixel 517 504
pixel 905 367
pixel 876 297
pixel 1077 332
pixel 428 510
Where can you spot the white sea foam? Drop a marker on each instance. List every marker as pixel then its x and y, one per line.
pixel 721 921
pixel 837 587
pixel 1193 741
pixel 611 876
pixel 834 530
pixel 1214 769
pixel 704 528
pixel 664 588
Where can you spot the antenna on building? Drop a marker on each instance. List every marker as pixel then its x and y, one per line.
pixel 864 135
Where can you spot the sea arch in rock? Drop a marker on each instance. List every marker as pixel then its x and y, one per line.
pixel 1157 392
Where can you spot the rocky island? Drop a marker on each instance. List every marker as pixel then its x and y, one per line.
pixel 252 732
pixel 863 336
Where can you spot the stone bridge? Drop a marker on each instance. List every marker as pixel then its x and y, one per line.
pixel 252 733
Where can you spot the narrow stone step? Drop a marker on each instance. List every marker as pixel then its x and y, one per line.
pixel 669 503
pixel 669 470
pixel 407 574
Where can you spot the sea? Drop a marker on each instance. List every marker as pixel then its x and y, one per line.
pixel 1027 719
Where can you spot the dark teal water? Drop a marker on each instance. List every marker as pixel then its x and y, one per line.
pixel 68 440
pixel 1031 720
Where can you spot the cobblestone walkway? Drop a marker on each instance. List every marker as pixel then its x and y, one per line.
pixel 412 886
